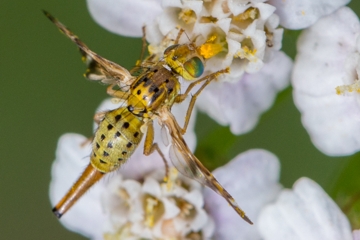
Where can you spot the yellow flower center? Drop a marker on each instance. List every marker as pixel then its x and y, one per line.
pixel 355 87
pixel 249 14
pixel 187 16
pixel 152 211
pixel 211 47
pixel 248 49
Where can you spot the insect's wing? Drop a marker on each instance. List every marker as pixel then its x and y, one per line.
pixel 99 68
pixel 187 163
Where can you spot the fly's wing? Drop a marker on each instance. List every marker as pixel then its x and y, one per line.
pixel 186 162
pixel 99 68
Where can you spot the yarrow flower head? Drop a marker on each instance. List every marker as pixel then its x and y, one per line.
pixel 326 82
pixel 144 206
pixel 235 35
pixel 135 202
pixel 243 36
pixel 304 212
pixel 153 209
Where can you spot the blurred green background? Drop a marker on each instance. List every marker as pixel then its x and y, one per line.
pixel 43 95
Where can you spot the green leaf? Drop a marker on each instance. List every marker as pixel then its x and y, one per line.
pixel 347 191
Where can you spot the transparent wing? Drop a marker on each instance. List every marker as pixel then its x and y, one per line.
pixel 187 163
pixel 99 68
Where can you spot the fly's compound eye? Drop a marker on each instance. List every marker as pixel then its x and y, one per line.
pixel 166 52
pixel 194 67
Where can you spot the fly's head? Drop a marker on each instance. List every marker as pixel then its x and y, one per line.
pixel 185 60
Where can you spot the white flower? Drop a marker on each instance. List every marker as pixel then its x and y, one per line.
pixel 133 203
pixel 242 35
pixel 239 104
pixel 155 210
pixel 304 213
pixel 237 33
pixel 299 14
pixel 253 180
pixel 124 17
pixel 328 57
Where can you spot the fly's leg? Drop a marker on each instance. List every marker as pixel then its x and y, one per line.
pixel 181 31
pixel 181 97
pixel 150 147
pixel 139 62
pixel 144 45
pixel 116 93
pixel 143 62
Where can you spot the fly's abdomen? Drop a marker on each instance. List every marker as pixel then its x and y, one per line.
pixel 116 139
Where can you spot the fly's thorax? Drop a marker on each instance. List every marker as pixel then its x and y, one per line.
pixel 155 88
pixel 116 139
pixel 185 60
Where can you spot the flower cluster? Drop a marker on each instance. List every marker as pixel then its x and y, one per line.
pixel 327 65
pixel 242 35
pixel 126 208
pixel 153 209
pixel 236 35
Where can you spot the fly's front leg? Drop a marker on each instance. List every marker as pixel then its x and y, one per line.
pixel 181 97
pixel 139 62
pixel 143 48
pixel 143 62
pixel 150 147
pixel 181 31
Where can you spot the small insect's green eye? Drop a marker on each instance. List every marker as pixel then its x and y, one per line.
pixel 194 67
pixel 170 48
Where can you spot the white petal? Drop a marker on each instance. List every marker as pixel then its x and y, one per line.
pixel 356 234
pixel 171 3
pixel 119 200
pixel 298 14
pixel 252 179
pixel 86 216
pixel 170 209
pixel 322 50
pixel 200 220
pixel 152 187
pixel 265 9
pixel 240 104
pixel 168 21
pixel 195 198
pixel 196 6
pixel 331 121
pixel 321 65
pixel 305 213
pixel 124 17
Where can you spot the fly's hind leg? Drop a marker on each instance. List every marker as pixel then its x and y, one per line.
pixel 150 147
pixel 181 97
